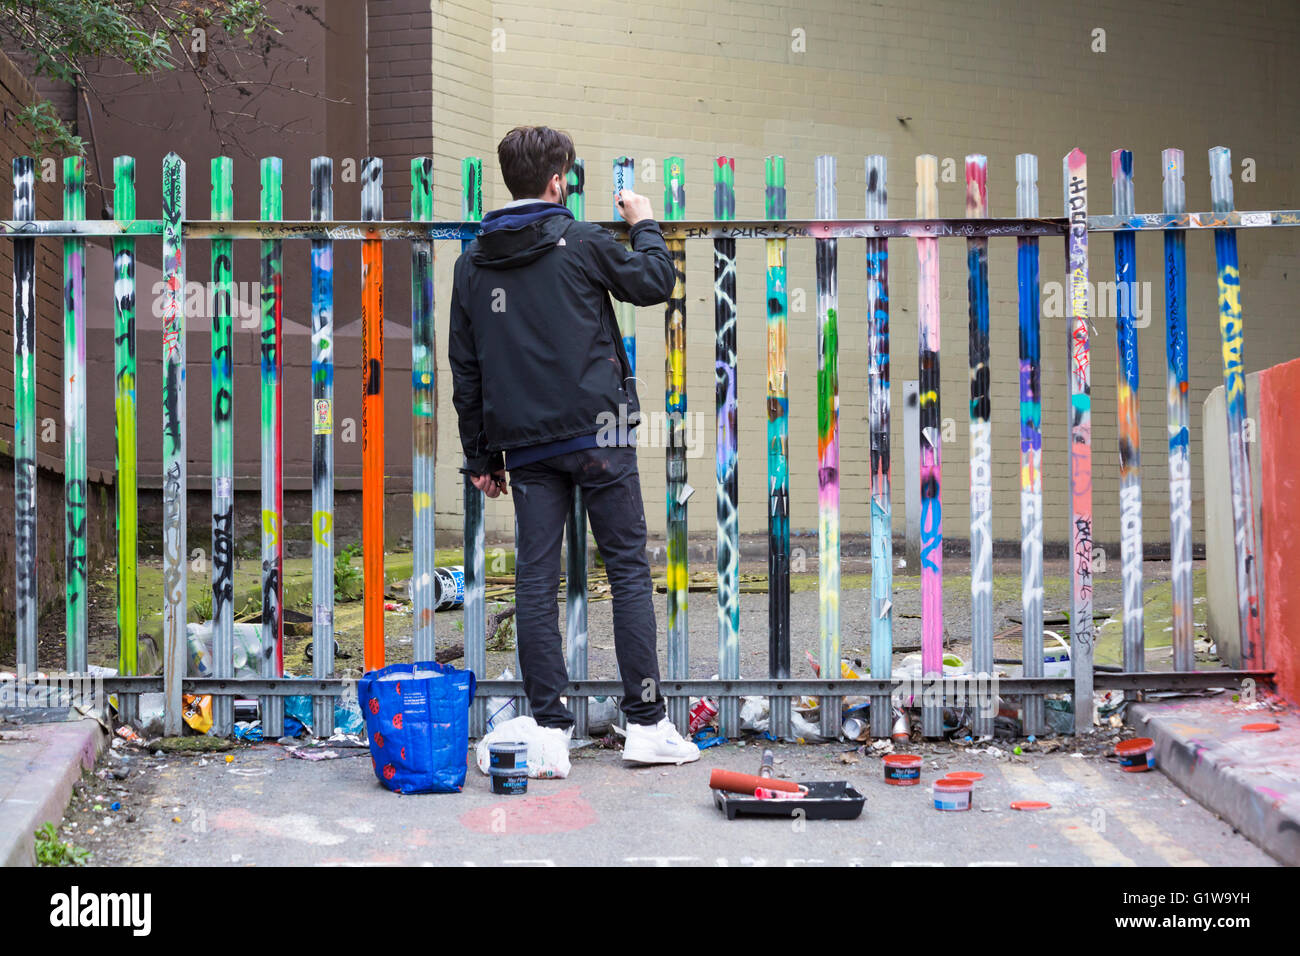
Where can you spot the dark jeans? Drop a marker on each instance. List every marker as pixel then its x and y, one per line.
pixel 611 494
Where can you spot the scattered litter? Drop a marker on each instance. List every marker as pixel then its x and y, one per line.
pixel 314 753
pixel 197 712
pixel 248 730
pixel 703 712
pixel 501 710
pixel 708 737
pixel 128 734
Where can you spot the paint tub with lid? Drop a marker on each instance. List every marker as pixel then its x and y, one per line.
pixel 1136 755
pixel 509 781
pixel 508 755
pixel 952 794
pixel 902 770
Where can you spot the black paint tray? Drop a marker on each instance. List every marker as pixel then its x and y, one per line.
pixel 826 800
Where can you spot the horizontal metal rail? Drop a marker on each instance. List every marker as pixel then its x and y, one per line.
pixel 345 229
pixel 1103 680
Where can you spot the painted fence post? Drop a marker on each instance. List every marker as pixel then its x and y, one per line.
pixel 726 389
pixel 981 428
pixel 878 404
pixel 927 250
pixel 175 605
pixel 372 414
pixel 474 615
pixel 221 172
pixel 1179 412
pixel 272 707
pixel 1031 450
pixel 1130 418
pixel 678 490
pixel 74 417
pixel 575 547
pixel 778 453
pixel 125 419
pixel 322 444
pixel 828 445
pixel 26 592
pixel 625 315
pixel 424 435
pixel 1232 333
pixel 1074 181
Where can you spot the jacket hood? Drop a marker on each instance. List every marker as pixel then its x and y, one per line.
pixel 519 235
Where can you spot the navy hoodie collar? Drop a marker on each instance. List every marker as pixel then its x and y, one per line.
pixel 518 216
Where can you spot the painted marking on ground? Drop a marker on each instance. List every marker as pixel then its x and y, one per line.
pixel 555 813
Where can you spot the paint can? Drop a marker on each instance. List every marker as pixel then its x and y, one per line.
pixel 1136 755
pixel 855 728
pixel 509 782
pixel 448 588
pixel 508 755
pixel 902 770
pixel 950 794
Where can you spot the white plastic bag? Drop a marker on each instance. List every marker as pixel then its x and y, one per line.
pixel 548 750
pixel 501 709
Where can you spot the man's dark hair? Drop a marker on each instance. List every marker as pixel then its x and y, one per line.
pixel 530 156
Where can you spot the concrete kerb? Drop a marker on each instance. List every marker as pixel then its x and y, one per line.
pixel 36 780
pixel 1251 780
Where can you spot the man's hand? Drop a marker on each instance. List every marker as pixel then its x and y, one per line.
pixel 634 207
pixel 491 485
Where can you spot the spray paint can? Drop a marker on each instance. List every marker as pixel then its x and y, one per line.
pixel 448 587
pixel 902 730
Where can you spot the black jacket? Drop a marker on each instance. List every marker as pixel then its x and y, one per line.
pixel 536 354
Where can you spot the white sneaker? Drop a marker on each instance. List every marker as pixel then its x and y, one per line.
pixel 660 743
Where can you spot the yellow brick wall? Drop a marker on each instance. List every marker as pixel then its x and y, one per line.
pixel 698 79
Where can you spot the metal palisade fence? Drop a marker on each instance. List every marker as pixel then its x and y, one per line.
pixel 422 232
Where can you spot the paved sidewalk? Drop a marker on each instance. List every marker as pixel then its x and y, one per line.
pixel 39 763
pixel 1252 780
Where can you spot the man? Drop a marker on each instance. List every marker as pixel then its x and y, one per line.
pixel 539 372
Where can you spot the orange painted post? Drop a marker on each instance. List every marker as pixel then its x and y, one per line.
pixel 372 415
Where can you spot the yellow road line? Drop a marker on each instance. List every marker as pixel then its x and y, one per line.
pixel 1075 829
pixel 1137 824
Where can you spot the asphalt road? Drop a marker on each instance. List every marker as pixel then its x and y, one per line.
pixel 265 807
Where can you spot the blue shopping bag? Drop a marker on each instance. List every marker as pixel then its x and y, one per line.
pixel 417 720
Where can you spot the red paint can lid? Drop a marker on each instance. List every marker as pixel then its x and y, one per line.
pixel 1030 805
pixel 903 760
pixel 970 775
pixel 1131 748
pixel 1260 728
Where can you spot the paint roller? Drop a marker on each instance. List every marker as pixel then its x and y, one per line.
pixel 734 782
